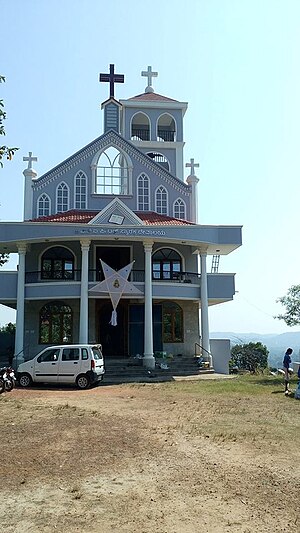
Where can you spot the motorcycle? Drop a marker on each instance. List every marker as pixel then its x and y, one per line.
pixel 7 375
pixel 2 386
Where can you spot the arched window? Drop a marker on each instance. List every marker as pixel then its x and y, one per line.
pixel 160 159
pixel 143 193
pixel 112 176
pixel 62 198
pixel 166 128
pixel 166 264
pixel 56 323
pixel 80 190
pixel 172 322
pixel 57 263
pixel 161 201
pixel 43 206
pixel 140 127
pixel 179 209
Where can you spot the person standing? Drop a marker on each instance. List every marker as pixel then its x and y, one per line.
pixel 286 365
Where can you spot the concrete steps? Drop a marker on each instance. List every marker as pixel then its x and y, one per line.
pixel 130 370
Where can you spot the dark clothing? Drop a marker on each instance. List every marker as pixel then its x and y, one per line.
pixel 299 372
pixel 286 361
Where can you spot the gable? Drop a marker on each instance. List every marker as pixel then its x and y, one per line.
pixel 88 155
pixel 117 213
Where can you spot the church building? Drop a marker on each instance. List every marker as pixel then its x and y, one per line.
pixel 110 249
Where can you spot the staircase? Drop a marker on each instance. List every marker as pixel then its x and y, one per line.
pixel 131 370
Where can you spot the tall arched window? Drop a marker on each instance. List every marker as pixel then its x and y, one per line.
pixel 80 190
pixel 166 264
pixel 143 193
pixel 112 176
pixel 161 201
pixel 57 263
pixel 172 322
pixel 56 323
pixel 43 206
pixel 179 209
pixel 140 127
pixel 166 128
pixel 62 198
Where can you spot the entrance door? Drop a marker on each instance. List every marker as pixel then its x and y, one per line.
pixel 112 338
pixel 136 328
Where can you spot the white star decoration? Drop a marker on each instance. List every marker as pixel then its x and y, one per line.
pixel 115 284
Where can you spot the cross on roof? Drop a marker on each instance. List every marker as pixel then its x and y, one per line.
pixel 30 158
pixel 112 78
pixel 149 74
pixel 192 165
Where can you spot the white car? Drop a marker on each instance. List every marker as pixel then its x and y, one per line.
pixel 81 364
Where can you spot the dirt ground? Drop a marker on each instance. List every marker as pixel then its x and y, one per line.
pixel 152 458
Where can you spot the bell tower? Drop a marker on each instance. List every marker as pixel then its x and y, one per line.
pixel 154 123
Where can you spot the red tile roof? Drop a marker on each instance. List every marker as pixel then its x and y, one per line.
pixel 74 216
pixel 152 96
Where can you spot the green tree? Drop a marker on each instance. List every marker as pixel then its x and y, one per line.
pixel 252 356
pixel 291 302
pixel 5 151
pixel 9 328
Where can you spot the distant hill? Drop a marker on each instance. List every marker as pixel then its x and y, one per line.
pixel 276 344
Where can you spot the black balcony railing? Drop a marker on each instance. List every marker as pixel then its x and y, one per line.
pixel 136 276
pixel 166 135
pixel 140 134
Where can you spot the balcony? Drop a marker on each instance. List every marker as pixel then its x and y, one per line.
pixel 221 287
pixel 166 135
pixel 140 134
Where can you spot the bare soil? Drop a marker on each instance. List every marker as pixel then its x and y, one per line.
pixel 155 458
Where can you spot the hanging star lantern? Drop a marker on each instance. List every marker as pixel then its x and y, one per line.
pixel 116 284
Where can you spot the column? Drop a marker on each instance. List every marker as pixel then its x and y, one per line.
pixel 149 360
pixel 193 181
pixel 19 340
pixel 84 295
pixel 204 309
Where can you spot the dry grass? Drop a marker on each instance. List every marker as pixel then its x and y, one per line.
pixel 209 456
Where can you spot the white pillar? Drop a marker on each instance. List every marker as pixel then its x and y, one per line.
pixel 149 360
pixel 84 295
pixel 19 340
pixel 193 181
pixel 204 309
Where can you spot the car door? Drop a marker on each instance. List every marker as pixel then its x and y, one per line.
pixel 69 365
pixel 46 366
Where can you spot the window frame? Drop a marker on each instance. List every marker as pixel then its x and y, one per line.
pixel 48 315
pixel 65 197
pixel 143 198
pixel 45 211
pixel 175 313
pixel 82 202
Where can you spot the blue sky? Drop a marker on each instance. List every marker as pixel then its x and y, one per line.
pixel 236 63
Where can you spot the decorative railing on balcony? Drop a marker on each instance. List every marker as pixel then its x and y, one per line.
pixel 166 135
pixel 137 276
pixel 140 135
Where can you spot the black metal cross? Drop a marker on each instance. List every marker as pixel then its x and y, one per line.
pixel 112 78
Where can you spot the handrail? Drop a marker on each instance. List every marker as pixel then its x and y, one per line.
pixel 209 355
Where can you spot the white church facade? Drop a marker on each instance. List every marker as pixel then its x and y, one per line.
pixel 110 248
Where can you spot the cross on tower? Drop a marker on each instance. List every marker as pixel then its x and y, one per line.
pixel 30 158
pixel 149 74
pixel 112 78
pixel 192 165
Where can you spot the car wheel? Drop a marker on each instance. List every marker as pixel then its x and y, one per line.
pixel 25 380
pixel 82 382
